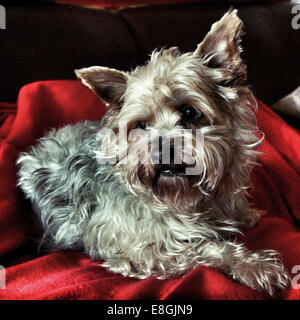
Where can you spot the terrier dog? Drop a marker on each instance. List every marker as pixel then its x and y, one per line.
pixel 159 185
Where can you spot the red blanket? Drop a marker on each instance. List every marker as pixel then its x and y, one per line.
pixel 72 275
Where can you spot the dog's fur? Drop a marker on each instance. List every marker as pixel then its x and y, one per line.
pixel 144 220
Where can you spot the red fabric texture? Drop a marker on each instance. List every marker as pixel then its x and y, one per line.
pixel 73 275
pixel 118 4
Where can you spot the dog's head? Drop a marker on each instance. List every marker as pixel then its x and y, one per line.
pixel 180 127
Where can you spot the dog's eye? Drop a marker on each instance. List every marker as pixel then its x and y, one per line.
pixel 141 125
pixel 190 114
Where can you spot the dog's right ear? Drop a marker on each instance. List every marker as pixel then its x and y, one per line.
pixel 108 84
pixel 221 47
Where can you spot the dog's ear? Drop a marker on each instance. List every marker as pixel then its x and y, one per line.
pixel 221 47
pixel 108 84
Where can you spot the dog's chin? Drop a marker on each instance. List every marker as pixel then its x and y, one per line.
pixel 169 179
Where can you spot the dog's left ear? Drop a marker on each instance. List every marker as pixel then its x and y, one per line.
pixel 221 47
pixel 108 84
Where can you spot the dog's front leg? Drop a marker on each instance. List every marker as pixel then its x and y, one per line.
pixel 261 270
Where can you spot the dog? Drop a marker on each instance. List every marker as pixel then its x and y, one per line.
pixel 122 189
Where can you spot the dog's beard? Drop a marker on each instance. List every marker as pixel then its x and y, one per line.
pixel 177 190
pixel 181 184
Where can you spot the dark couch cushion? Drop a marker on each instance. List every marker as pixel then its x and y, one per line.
pixel 271 46
pixel 49 41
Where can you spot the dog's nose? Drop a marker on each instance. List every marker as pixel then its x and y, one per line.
pixel 162 153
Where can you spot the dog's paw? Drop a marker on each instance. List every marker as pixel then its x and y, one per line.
pixel 262 270
pixel 126 268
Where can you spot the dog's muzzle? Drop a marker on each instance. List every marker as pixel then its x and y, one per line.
pixel 163 158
